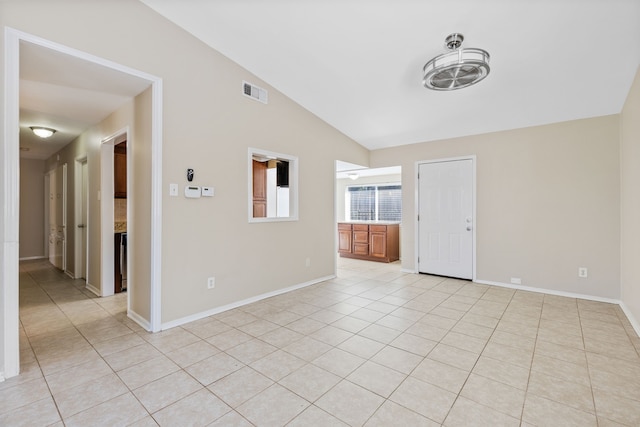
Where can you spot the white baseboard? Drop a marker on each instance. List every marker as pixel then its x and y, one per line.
pixel 409 271
pixel 634 322
pixel 203 314
pixel 549 291
pixel 2 377
pixel 70 274
pixel 139 320
pixel 30 258
pixel 93 289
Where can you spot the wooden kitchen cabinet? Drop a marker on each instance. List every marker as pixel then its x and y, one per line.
pixel 373 242
pixel 259 189
pixel 120 171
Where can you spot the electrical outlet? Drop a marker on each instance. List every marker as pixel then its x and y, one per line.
pixel 211 282
pixel 516 280
pixel 583 272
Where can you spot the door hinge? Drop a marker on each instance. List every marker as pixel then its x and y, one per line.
pixel 418 260
pixel 418 217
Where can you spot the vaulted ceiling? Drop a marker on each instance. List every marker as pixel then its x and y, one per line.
pixel 357 64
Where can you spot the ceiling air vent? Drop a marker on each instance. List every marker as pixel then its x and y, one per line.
pixel 254 92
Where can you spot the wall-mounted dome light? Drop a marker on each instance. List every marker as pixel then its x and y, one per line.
pixel 42 132
pixel 456 69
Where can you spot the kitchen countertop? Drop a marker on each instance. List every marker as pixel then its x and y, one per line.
pixel 371 222
pixel 120 227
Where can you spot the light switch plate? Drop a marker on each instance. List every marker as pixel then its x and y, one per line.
pixel 207 191
pixel 173 190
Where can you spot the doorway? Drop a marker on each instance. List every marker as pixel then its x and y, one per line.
pixel 9 267
pixel 446 217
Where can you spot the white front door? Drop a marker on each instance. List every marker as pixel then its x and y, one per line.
pixel 445 224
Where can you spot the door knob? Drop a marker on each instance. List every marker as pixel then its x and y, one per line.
pixel 468 228
pixel 80 225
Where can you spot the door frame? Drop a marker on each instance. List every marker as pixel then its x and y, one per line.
pixel 474 199
pixel 81 197
pixel 10 194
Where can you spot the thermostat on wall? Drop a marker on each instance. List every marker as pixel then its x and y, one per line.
pixel 192 192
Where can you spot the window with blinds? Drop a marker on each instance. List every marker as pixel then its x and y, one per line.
pixel 374 202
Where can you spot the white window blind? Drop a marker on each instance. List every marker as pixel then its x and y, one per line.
pixel 374 202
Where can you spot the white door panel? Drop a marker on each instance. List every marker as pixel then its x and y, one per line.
pixel 445 228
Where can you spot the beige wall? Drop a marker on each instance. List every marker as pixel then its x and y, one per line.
pixel 209 126
pixel 32 231
pixel 548 202
pixel 630 201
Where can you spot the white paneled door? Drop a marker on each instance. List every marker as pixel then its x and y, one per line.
pixel 445 222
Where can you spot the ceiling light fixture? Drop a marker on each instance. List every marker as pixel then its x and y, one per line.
pixel 42 132
pixel 353 176
pixel 456 69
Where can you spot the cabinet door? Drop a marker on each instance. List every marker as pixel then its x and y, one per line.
pixel 120 175
pixel 344 240
pixel 378 244
pixel 259 189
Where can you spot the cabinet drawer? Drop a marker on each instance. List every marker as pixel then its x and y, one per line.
pixel 360 227
pixel 361 237
pixel 378 228
pixel 361 249
pixel 344 226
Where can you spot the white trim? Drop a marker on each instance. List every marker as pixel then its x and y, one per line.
pixel 9 145
pixel 9 277
pixel 207 313
pixel 29 258
pixel 634 322
pixel 293 185
pixel 139 320
pixel 77 237
pixel 409 271
pixel 91 288
pixel 416 239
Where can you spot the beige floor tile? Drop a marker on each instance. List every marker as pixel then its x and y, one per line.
pixel 493 394
pixel 198 409
pixel 622 350
pixel 557 351
pixel 379 333
pixel 310 382
pixel 229 339
pixel 314 416
pixel 132 356
pixel 572 394
pixel 42 412
pixel 192 353
pixel 562 338
pixel 467 413
pixel 473 330
pixel 513 340
pixel 278 364
pixel 361 346
pixel 439 374
pixel 145 372
pixel 122 410
pixel 390 414
pixel 240 386
pixel 423 398
pixel 23 394
pixel 616 366
pixel 307 348
pixel 413 344
pixel 397 359
pixel 377 378
pixel 544 412
pixel 616 385
pixel 73 400
pixel 426 331
pixel 326 316
pixel 517 328
pixel 207 327
pixel 117 344
pixel 338 362
pixel 617 408
pixel 231 419
pixel 397 323
pixel 454 356
pixel 280 337
pixel 258 327
pixel 167 390
pixel 506 373
pixel 213 368
pixel 350 403
pixel 464 342
pixel 67 360
pixel 477 319
pixel 236 317
pixel 508 354
pixel 274 406
pixel 251 351
pixel 561 369
pixel 351 324
pixel 408 314
pixel 147 421
pixel 329 335
pixel 77 375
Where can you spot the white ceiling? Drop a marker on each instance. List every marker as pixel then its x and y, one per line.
pixel 357 63
pixel 68 94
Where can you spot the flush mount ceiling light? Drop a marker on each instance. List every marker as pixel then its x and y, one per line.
pixel 42 132
pixel 353 176
pixel 456 69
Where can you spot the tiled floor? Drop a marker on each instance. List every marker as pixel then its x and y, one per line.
pixel 374 347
